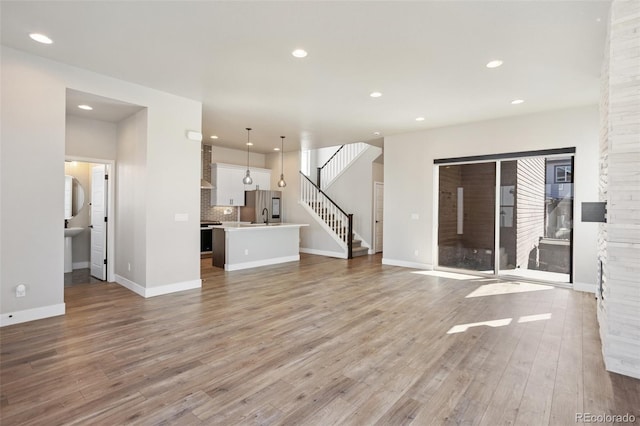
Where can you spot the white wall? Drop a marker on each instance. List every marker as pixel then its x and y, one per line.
pixel 90 138
pixel 130 187
pixel 32 210
pixel 352 190
pixel 33 102
pixel 236 156
pixel 312 237
pixel 409 170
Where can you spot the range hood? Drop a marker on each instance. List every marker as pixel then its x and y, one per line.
pixel 205 185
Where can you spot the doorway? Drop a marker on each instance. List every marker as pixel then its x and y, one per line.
pixel 378 216
pixel 508 216
pixel 89 224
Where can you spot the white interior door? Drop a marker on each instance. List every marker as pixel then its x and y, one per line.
pixel 98 222
pixel 378 215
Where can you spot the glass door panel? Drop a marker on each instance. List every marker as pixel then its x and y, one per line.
pixel 466 216
pixel 536 205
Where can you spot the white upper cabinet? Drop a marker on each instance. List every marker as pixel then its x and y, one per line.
pixel 228 189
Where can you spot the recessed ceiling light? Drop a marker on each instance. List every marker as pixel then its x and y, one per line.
pixel 299 53
pixel 517 101
pixel 375 94
pixel 85 107
pixel 420 119
pixel 276 149
pixel 494 64
pixel 40 38
pixel 249 143
pixel 376 133
pixel 213 137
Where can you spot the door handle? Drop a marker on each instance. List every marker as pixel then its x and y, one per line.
pixel 91 226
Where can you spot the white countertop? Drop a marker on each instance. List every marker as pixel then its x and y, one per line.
pixel 243 226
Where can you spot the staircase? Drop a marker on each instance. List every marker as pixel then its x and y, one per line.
pixel 338 162
pixel 335 220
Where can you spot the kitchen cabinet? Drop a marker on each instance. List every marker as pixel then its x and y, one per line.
pixel 228 189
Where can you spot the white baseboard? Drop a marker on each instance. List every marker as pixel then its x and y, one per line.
pixel 81 265
pixel 134 287
pixel 405 264
pixel 257 263
pixel 159 290
pixel 586 287
pixel 32 314
pixel 172 288
pixel 337 254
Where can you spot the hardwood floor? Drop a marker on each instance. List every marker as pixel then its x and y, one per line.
pixel 322 341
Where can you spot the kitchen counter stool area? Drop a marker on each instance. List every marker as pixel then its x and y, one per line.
pixel 242 246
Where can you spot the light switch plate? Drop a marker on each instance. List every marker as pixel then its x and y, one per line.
pixel 415 216
pixel 181 217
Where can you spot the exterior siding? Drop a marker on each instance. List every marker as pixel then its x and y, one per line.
pixel 530 207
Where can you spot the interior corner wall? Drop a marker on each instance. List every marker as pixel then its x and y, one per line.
pixel 409 179
pixel 33 99
pixel 130 188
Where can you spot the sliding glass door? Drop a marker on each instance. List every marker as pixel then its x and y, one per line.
pixel 509 217
pixel 466 212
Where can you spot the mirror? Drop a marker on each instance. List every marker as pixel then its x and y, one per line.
pixel 73 197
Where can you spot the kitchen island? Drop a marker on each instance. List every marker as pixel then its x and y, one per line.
pixel 243 245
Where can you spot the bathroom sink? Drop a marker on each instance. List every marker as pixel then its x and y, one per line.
pixel 72 232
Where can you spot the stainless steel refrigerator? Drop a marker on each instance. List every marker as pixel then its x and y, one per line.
pixel 255 203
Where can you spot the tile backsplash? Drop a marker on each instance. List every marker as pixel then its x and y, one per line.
pixel 207 212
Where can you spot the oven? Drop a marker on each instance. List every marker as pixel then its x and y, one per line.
pixel 206 236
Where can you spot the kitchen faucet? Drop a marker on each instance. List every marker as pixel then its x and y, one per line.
pixel 265 210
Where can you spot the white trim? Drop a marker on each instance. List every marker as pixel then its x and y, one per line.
pixel 80 265
pixel 134 287
pixel 257 263
pixel 327 253
pixel 158 290
pixel 26 315
pixel 586 287
pixel 404 264
pixel 172 288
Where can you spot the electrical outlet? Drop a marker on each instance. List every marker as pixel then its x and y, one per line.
pixel 128 267
pixel 21 290
pixel 246 251
pixel 415 253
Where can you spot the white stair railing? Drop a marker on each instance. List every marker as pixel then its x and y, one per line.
pixel 338 162
pixel 340 222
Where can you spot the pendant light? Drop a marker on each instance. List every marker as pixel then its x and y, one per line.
pixel 247 179
pixel 281 182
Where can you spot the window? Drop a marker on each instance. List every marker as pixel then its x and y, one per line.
pixel 563 174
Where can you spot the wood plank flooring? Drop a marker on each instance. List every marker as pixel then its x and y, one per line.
pixel 319 342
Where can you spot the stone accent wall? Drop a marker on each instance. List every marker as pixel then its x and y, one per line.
pixel 208 213
pixel 619 239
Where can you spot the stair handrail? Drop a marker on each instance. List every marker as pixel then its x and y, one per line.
pixel 325 164
pixel 349 239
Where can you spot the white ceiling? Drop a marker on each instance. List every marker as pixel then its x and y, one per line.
pixel 104 109
pixel 427 58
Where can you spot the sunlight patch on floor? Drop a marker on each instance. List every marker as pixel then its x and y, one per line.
pixel 507 288
pixel 461 328
pixel 531 318
pixel 443 274
pixel 493 323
